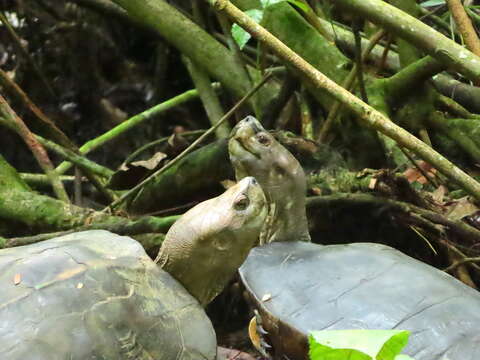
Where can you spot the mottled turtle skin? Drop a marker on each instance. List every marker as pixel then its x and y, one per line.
pixel 253 150
pixel 299 286
pixel 96 295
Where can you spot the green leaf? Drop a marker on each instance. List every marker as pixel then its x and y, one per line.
pixel 240 36
pixel 300 5
pixel 318 351
pixel 393 346
pixel 430 3
pixel 403 357
pixel 375 344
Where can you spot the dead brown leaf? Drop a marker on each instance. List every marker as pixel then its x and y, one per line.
pixel 128 175
pixel 461 208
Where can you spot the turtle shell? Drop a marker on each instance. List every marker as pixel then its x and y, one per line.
pixel 96 295
pixel 299 287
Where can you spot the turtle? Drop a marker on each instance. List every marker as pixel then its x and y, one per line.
pixel 299 286
pixel 97 295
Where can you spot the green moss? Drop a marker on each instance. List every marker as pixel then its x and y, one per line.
pixel 9 178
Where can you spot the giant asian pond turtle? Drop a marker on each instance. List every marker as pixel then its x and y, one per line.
pixel 299 286
pixel 97 295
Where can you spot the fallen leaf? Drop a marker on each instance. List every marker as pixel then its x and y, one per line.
pixel 149 164
pixel 439 194
pixel 414 174
pixel 17 279
pixel 128 175
pixel 461 208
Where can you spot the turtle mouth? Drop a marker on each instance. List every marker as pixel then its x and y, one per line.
pixel 239 142
pixel 256 129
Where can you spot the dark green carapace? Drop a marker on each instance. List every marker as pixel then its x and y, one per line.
pixel 96 295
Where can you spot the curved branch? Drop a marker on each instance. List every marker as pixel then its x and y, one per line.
pixel 416 32
pixel 368 115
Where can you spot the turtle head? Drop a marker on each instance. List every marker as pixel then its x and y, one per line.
pixel 250 148
pixel 255 152
pixel 207 245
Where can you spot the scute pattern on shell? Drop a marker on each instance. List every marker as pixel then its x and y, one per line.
pixel 365 286
pixel 125 308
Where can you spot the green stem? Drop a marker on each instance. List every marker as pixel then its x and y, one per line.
pixel 40 180
pixel 412 75
pixel 79 160
pixel 130 123
pixel 88 167
pixel 347 84
pixel 207 94
pixel 14 122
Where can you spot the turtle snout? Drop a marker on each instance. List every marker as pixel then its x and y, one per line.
pixel 250 181
pixel 252 186
pixel 253 123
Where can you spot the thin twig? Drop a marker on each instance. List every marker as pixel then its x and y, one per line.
pixel 347 84
pixel 89 168
pixel 459 253
pixel 356 27
pixel 156 142
pixel 54 132
pixel 26 54
pixel 14 122
pixel 417 165
pixel 132 122
pixel 78 160
pixel 465 260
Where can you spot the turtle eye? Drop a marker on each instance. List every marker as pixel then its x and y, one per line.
pixel 241 203
pixel 263 139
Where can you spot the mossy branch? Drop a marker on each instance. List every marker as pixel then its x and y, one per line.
pixel 412 75
pixel 368 115
pixel 42 213
pixel 424 37
pixel 11 120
